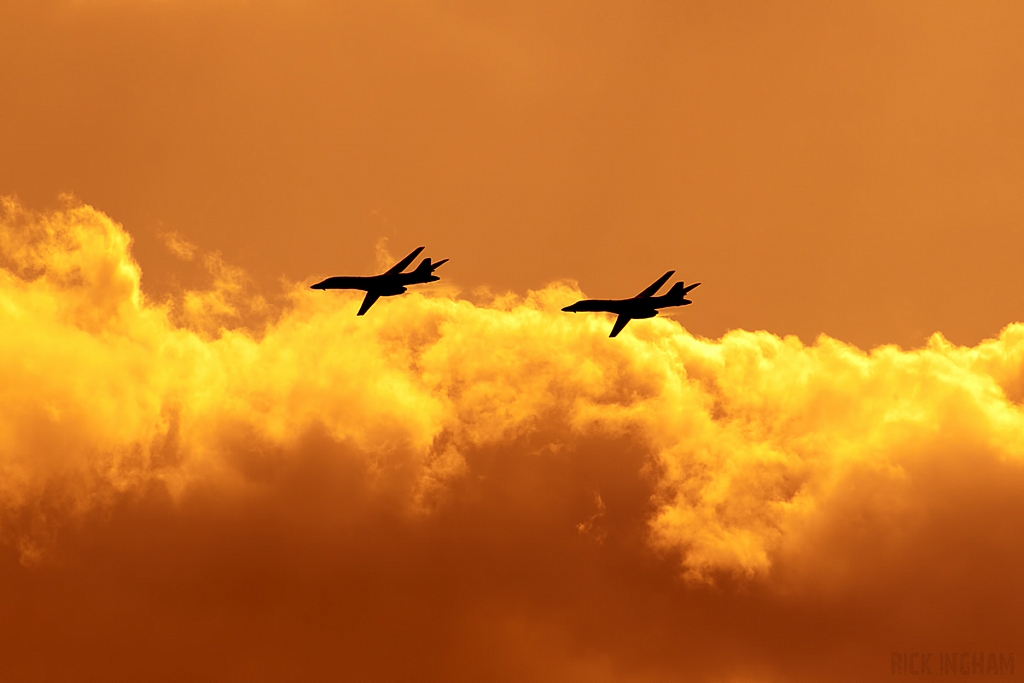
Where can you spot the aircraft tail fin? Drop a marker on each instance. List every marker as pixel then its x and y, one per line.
pixel 680 290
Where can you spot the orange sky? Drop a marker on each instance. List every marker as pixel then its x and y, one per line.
pixel 208 472
pixel 852 169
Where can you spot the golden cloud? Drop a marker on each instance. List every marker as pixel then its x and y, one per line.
pixel 753 458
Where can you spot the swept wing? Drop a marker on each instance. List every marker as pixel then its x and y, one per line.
pixel 620 323
pixel 656 286
pixel 369 300
pixel 404 263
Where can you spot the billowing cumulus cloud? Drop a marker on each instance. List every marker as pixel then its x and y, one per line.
pixel 453 491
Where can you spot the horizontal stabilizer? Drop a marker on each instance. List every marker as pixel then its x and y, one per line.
pixel 428 266
pixel 680 290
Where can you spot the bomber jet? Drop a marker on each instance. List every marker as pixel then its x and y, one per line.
pixel 390 283
pixel 643 305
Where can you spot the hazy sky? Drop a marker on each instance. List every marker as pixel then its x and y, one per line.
pixel 210 472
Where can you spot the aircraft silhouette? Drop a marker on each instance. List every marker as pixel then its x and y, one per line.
pixel 643 305
pixel 390 283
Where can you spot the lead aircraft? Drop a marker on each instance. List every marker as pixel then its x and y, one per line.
pixel 643 305
pixel 390 283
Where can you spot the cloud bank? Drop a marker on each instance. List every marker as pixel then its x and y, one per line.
pixel 463 491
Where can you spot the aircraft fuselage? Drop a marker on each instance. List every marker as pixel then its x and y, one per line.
pixel 634 308
pixel 382 285
pixel 391 283
pixel 643 305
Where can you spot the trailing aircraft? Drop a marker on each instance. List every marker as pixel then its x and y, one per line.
pixel 643 305
pixel 390 283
